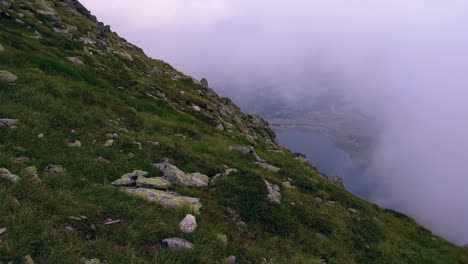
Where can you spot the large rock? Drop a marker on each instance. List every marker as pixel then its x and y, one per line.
pixel 188 224
pixel 167 199
pixel 337 180
pixel 6 174
pixel 153 183
pixel 274 192
pixel 177 177
pixel 9 123
pixel 7 77
pixel 177 244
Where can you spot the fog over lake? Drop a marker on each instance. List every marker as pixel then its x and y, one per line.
pixel 399 65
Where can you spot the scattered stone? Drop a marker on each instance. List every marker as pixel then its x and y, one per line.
pixel 9 123
pixel 287 185
pixel 352 210
pixel 113 222
pixel 323 261
pixel 130 155
pixel 196 108
pixel 6 174
pixel 243 149
pixel 153 183
pixel 268 167
pixel 167 199
pixel 91 261
pixel 337 180
pixel 41 135
pixel 222 238
pixel 274 192
pixel 75 218
pixel 318 199
pixel 230 260
pixel 109 143
pixel 103 160
pixel 204 83
pixel 31 170
pixel 188 224
pixel 19 160
pixel 223 175
pixel 3 231
pixel 112 135
pixel 138 144
pixel 74 144
pixel 28 260
pixel 177 244
pixel 177 177
pixel 7 77
pixel 55 170
pixel 153 143
pixel 75 60
pixel 122 130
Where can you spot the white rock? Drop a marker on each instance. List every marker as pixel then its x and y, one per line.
pixel 188 224
pixel 109 143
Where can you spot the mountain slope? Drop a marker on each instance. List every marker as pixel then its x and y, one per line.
pixel 88 107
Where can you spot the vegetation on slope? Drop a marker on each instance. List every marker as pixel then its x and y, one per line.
pixel 118 89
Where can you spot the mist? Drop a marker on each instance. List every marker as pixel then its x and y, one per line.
pixel 403 62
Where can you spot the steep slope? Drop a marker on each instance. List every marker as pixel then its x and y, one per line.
pixel 104 151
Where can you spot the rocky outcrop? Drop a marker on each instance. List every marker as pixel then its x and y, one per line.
pixel 188 224
pixel 177 244
pixel 274 192
pixel 337 180
pixel 167 199
pixel 177 177
pixel 6 174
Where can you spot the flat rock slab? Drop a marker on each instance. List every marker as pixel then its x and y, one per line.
pixel 177 244
pixel 153 183
pixel 167 199
pixel 9 123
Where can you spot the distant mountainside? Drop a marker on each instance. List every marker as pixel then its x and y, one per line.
pixel 109 156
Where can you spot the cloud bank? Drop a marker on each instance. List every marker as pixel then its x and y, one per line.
pixel 406 62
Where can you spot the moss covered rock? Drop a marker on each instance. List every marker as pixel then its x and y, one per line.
pixel 7 77
pixel 154 183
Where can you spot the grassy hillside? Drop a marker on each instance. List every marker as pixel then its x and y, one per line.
pixel 78 81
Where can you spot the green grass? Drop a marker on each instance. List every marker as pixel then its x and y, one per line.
pixel 54 97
